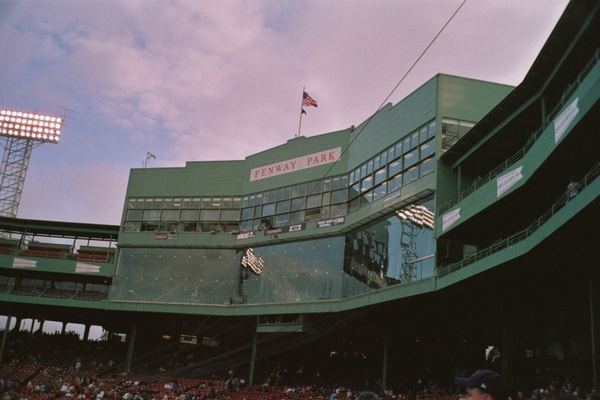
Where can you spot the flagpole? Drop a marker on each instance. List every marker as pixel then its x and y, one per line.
pixel 301 100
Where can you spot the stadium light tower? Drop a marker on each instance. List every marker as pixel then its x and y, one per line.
pixel 21 132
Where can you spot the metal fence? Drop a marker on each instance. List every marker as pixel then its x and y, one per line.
pixel 523 234
pixel 482 180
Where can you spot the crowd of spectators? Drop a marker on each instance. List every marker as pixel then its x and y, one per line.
pixel 64 367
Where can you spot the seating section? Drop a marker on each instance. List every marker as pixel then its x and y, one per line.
pixel 36 249
pixel 58 293
pixel 58 251
pixel 89 295
pixel 94 254
pixel 35 376
pixel 8 246
pixel 25 291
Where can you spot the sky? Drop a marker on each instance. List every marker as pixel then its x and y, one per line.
pixel 204 80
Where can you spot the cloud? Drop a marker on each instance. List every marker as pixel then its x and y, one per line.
pixel 204 80
pixel 91 194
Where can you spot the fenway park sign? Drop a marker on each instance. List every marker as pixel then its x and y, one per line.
pixel 296 164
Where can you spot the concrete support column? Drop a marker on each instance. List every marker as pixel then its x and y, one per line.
pixel 131 338
pixel 4 337
pixel 253 358
pixel 384 368
pixel 593 334
pixel 504 353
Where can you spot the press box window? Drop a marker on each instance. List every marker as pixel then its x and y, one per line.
pixel 134 215
pixel 281 220
pixel 313 201
pixel 247 213
pixel 431 129
pixel 427 149
pixel 338 210
pixel 423 134
pixel 189 215
pixel 312 214
pixel 395 167
pixel 268 209
pixel 151 215
pixel 410 174
pixel 170 215
pixel 395 183
pixel 283 207
pixel 414 139
pixel 380 176
pixel 410 159
pixel 297 204
pixel 209 215
pixel 297 217
pixel 339 196
pixel 427 166
pixel 230 215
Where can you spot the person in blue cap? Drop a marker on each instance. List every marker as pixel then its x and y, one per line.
pixel 367 395
pixel 484 384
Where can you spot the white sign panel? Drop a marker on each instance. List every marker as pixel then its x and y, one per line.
pixel 24 263
pixel 296 164
pixel 562 122
pixel 449 218
pixel 83 268
pixel 508 180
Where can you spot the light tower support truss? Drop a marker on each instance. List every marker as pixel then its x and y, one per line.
pixel 14 166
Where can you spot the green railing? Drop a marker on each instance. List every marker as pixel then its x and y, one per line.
pixel 523 234
pixel 482 180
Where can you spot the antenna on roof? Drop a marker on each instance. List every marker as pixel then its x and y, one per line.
pixel 148 156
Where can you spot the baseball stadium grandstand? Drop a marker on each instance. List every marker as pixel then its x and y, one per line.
pixel 454 230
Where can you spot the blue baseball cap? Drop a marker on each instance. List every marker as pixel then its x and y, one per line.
pixel 487 381
pixel 368 396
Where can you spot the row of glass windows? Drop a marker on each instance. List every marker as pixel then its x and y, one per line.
pixel 334 204
pixel 453 130
pixel 195 203
pixel 404 147
pixel 299 190
pixel 391 185
pixel 387 252
pixel 409 158
pixel 285 212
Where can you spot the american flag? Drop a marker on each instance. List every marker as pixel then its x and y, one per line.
pixel 252 261
pixel 308 101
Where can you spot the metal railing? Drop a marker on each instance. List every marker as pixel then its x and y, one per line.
pixel 523 234
pixel 482 180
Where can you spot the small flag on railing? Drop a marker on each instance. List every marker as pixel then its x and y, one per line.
pixel 252 261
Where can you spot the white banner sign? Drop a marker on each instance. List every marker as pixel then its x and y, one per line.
pixel 296 164
pixel 449 218
pixel 83 268
pixel 24 263
pixel 508 180
pixel 562 122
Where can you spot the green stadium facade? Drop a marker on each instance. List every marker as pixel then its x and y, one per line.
pixel 438 234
